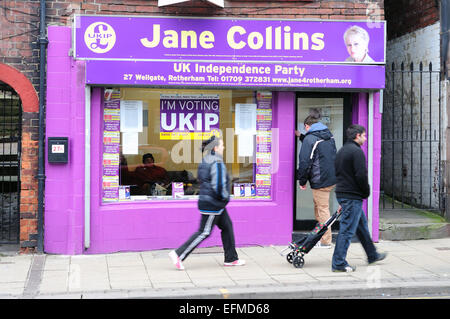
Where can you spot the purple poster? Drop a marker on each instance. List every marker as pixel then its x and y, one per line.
pixel 235 74
pixel 111 145
pixel 111 119
pixel 263 176
pixel 172 51
pixel 191 116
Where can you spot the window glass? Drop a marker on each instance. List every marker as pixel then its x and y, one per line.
pixel 152 141
pixel 332 115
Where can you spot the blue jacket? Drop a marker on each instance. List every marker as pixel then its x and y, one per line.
pixel 215 185
pixel 316 158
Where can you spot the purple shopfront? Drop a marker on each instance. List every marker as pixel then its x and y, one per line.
pixel 122 87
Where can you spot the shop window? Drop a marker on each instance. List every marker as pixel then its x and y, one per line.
pixel 152 142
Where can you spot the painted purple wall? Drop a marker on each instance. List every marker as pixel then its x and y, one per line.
pixel 64 184
pixel 376 166
pixel 157 225
pixel 360 115
pixel 141 226
pixel 150 225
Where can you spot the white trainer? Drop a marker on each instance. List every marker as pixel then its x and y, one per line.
pixel 176 260
pixel 323 246
pixel 239 262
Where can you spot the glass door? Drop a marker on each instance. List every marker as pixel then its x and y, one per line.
pixel 334 114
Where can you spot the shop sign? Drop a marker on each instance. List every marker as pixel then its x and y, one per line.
pixel 233 40
pixel 168 51
pixel 234 74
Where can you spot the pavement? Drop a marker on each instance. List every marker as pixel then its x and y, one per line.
pixel 418 264
pixel 413 267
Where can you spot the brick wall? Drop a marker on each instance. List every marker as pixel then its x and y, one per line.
pixel 29 184
pixel 405 16
pixel 60 12
pixel 19 31
pixel 19 48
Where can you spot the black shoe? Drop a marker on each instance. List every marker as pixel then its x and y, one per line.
pixel 347 268
pixel 380 257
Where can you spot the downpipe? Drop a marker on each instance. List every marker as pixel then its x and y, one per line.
pixel 43 42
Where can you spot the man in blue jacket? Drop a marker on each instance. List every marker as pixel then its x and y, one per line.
pixel 352 186
pixel 316 165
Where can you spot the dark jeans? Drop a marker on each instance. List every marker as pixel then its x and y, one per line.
pixel 207 222
pixel 353 220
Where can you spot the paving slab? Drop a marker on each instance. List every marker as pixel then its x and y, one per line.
pixel 412 267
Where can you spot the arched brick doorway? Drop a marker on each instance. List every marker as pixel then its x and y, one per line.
pixel 28 160
pixel 10 144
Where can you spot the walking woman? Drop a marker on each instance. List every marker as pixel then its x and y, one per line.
pixel 214 196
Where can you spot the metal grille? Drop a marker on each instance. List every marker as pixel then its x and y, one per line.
pixel 10 145
pixel 411 165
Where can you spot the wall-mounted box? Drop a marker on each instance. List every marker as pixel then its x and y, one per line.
pixel 58 150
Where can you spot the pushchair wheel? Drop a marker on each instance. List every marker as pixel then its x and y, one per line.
pixel 298 262
pixel 290 257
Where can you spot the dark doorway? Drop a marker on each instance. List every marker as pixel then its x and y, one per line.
pixel 10 146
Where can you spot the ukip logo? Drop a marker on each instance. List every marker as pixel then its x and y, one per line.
pixel 100 37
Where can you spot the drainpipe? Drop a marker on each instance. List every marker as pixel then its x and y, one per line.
pixel 41 160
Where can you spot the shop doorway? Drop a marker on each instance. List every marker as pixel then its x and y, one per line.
pixel 10 138
pixel 335 110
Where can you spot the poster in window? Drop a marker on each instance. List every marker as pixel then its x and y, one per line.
pixel 189 116
pixel 263 178
pixel 130 143
pixel 130 116
pixel 245 119
pixel 111 145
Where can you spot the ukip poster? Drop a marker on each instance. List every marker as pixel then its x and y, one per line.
pixel 189 116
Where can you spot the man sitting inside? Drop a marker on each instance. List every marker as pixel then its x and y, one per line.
pixel 148 174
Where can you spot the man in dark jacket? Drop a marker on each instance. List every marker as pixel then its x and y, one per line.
pixel 212 202
pixel 316 165
pixel 352 186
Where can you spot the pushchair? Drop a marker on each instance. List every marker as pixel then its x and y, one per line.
pixel 301 247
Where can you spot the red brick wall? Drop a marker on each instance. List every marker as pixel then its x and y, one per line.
pixel 405 16
pixel 248 9
pixel 19 30
pixel 19 48
pixel 28 181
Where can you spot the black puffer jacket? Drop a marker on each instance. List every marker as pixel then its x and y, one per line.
pixel 215 185
pixel 351 172
pixel 316 158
